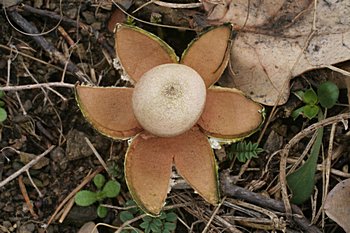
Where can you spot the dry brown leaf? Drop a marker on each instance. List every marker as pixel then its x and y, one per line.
pixel 337 205
pixel 277 42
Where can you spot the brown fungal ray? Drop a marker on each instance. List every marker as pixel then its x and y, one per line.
pixel 139 51
pixel 209 53
pixel 228 114
pixel 197 165
pixel 148 164
pixel 109 110
pixel 149 161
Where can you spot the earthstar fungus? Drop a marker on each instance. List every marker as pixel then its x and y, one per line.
pixel 170 113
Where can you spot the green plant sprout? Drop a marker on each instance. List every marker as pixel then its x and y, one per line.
pixel 301 182
pixel 3 113
pixel 244 151
pixel 109 189
pixel 327 95
pixel 164 223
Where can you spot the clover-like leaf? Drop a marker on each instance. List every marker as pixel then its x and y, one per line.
pixel 102 211
pixel 310 111
pixel 111 188
pixel 3 114
pixel 310 97
pixel 328 94
pixel 99 181
pixel 125 216
pixel 85 198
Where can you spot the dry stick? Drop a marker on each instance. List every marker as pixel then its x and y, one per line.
pixel 149 23
pixel 48 47
pixel 30 57
pixel 327 172
pixel 38 85
pixel 178 5
pixel 33 183
pixel 240 193
pixel 71 194
pixel 25 167
pixel 66 210
pixel 98 156
pixel 24 192
pixel 213 215
pixel 297 138
pixel 73 23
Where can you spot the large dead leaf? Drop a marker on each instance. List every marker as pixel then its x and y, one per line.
pixel 337 205
pixel 277 42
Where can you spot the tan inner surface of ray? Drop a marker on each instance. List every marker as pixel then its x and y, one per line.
pixel 109 110
pixel 138 52
pixel 229 114
pixel 209 54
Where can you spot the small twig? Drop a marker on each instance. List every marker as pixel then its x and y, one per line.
pixel 98 156
pixel 71 194
pixel 26 167
pixel 240 193
pixel 336 69
pixel 149 23
pixel 48 47
pixel 38 85
pixel 66 210
pixel 26 197
pixel 292 142
pixel 129 222
pixel 30 57
pixel 178 5
pixel 213 215
pixel 327 172
pixel 34 185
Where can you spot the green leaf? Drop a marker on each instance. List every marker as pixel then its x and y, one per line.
pixel 158 222
pixel 310 97
pixel 311 111
pixel 328 94
pixel 2 94
pixel 85 198
pixel 102 211
pixel 301 182
pixel 147 219
pixel 297 112
pixel 170 226
pixel 145 225
pixel 132 203
pixel 299 94
pixel 154 227
pixel 125 216
pixel 111 188
pixel 2 103
pixel 245 151
pixel 165 231
pixel 171 217
pixel 99 181
pixel 3 115
pixel 162 215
